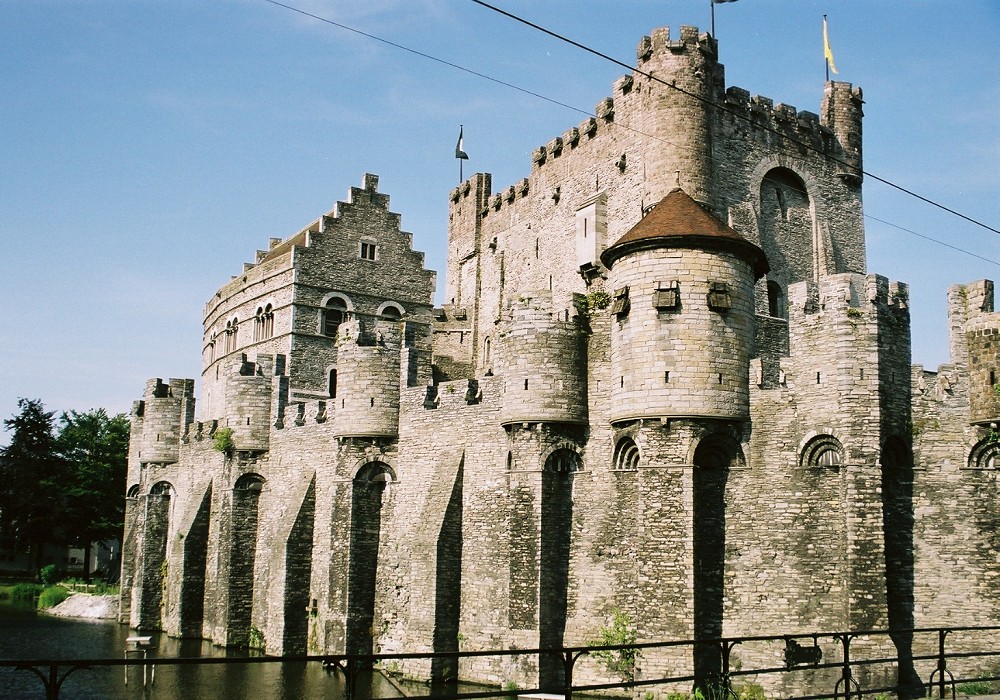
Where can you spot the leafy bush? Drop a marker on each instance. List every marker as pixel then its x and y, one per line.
pixel 257 640
pixel 25 591
pixel 619 661
pixel 49 575
pixel 53 595
pixel 223 440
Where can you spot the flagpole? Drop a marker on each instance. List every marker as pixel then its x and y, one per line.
pixel 826 59
pixel 712 3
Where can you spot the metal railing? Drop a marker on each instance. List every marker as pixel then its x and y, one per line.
pixel 908 663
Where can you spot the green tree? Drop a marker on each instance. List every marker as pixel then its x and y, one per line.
pixel 31 476
pixel 95 449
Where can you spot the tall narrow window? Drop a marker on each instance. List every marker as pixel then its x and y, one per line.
pixel 775 300
pixel 335 313
pixel 333 383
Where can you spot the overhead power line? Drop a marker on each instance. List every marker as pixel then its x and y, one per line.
pixel 588 113
pixel 734 113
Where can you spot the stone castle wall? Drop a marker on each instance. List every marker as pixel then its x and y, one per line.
pixel 517 467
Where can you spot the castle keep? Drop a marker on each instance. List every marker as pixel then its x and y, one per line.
pixel 663 383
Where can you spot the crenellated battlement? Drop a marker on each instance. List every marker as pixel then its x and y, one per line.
pixel 689 39
pixel 851 293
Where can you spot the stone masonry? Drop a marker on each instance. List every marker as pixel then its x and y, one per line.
pixel 663 385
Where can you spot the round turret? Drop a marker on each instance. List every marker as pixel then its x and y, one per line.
pixel 681 121
pixel 367 400
pixel 682 329
pixel 164 408
pixel 542 359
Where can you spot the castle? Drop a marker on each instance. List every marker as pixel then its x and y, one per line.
pixel 663 385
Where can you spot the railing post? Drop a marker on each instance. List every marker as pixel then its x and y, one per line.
pixel 52 686
pixel 568 661
pixel 942 666
pixel 846 675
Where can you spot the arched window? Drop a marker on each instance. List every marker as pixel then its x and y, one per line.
pixel 822 451
pixel 775 300
pixel 249 483
pixel 334 314
pixel 985 455
pixel 162 488
pixel 232 332
pixel 626 455
pixel 333 384
pixel 391 312
pixel 563 461
pixel 263 323
pixel 133 491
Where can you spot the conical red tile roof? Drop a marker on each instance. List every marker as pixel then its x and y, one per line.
pixel 678 221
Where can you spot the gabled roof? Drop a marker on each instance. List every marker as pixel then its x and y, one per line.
pixel 678 221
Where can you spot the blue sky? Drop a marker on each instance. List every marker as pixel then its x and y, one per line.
pixel 149 147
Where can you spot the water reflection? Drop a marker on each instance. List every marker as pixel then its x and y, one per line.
pixel 26 635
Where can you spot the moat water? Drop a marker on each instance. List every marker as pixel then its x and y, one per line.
pixel 25 634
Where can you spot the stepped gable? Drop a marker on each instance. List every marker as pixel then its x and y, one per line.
pixel 678 221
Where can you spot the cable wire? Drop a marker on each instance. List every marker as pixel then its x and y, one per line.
pixel 632 129
pixel 734 113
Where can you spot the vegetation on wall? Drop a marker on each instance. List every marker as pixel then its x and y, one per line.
pixel 620 631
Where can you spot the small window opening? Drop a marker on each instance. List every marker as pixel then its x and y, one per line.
pixel 372 401
pixel 817 377
pixel 666 377
pixel 525 384
pixel 775 305
pixel 620 302
pixel 720 377
pixel 391 313
pixel 334 315
pixel 369 250
pixel 622 378
pixel 667 295
pixel 719 297
pixel 333 383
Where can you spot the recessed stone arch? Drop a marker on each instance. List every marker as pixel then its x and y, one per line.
pixel 715 455
pixel 985 455
pixel 564 447
pixel 334 309
pixel 626 455
pixel 822 450
pixel 390 310
pixel 560 466
pixel 369 491
pixel 246 494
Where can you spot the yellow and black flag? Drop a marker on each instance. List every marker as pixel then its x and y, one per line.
pixel 828 52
